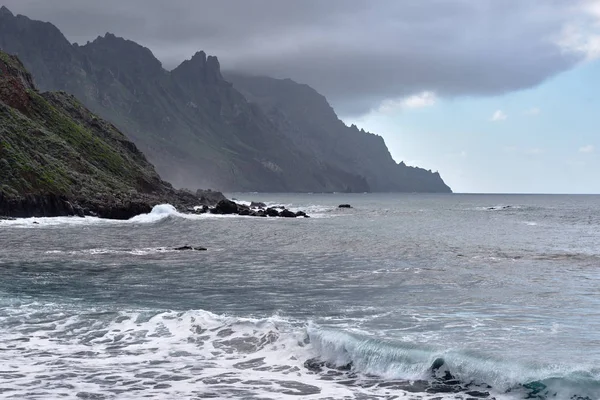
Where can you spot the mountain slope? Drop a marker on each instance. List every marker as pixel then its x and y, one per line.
pixel 196 129
pixel 193 125
pixel 57 158
pixel 307 119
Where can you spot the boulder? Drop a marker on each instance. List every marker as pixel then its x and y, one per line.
pixel 258 204
pixel 80 212
pixel 123 210
pixel 243 207
pixel 271 212
pixel 202 210
pixel 209 197
pixel 302 214
pixel 287 214
pixel 245 211
pixel 225 207
pixel 344 206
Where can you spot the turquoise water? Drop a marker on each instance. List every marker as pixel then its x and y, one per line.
pixel 414 296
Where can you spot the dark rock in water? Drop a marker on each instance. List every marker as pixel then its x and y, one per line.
pixel 260 213
pixel 479 394
pixel 243 207
pixel 225 207
pixel 443 389
pixel 271 212
pixel 245 211
pixel 209 197
pixel 202 210
pixel 183 248
pixel 346 367
pixel 123 211
pixel 80 212
pixel 499 208
pixel 287 214
pixel 302 214
pixel 258 204
pixel 314 365
pixel 344 206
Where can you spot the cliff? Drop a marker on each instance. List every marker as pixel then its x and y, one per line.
pixel 198 129
pixel 57 158
pixel 305 117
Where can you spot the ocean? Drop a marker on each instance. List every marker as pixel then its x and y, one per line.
pixel 404 296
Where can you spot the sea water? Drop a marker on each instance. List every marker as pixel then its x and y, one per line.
pixel 402 296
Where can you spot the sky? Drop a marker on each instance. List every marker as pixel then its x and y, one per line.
pixel 498 96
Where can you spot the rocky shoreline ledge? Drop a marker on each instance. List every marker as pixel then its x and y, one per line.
pixel 203 202
pixel 110 206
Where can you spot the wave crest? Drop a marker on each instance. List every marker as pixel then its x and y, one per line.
pixel 407 361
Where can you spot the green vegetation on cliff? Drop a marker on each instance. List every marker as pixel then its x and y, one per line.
pixel 57 158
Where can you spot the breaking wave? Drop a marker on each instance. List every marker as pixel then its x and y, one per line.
pixel 197 353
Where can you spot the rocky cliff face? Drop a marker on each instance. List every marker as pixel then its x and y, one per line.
pixel 197 128
pixel 57 158
pixel 307 119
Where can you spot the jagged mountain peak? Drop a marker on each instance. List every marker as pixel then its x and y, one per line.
pixel 123 53
pixel 200 66
pixel 5 11
pixel 199 57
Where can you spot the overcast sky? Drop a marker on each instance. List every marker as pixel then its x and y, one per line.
pixel 477 89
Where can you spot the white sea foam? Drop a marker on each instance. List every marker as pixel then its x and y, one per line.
pixel 188 354
pixel 37 222
pixel 158 213
pixel 103 251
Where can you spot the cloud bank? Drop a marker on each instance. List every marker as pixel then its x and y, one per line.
pixel 358 53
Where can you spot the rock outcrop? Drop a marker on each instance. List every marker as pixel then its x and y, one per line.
pixel 57 158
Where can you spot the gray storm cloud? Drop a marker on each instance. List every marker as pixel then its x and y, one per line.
pixel 356 52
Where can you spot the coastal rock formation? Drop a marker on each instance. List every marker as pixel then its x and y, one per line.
pixel 256 209
pixel 199 130
pixel 58 159
pixel 186 247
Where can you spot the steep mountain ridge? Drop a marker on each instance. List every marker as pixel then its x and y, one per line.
pixel 306 117
pixel 196 127
pixel 57 158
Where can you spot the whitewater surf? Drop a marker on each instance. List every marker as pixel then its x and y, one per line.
pixel 402 296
